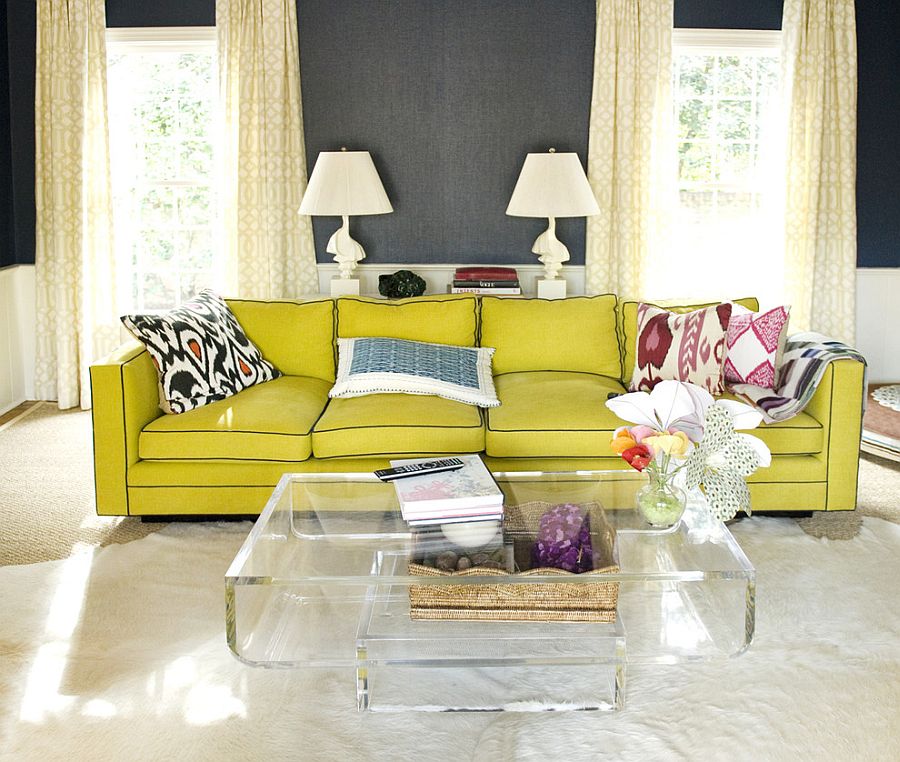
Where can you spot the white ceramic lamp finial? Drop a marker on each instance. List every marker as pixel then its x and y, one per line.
pixel 345 183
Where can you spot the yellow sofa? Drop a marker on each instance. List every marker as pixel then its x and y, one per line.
pixel 556 362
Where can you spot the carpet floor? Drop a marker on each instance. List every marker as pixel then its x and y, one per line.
pixel 118 653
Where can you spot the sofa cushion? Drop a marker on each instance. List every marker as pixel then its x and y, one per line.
pixel 437 319
pixel 271 421
pixel 627 311
pixel 297 337
pixel 564 415
pixel 397 424
pixel 547 414
pixel 576 334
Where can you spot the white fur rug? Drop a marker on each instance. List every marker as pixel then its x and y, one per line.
pixel 119 654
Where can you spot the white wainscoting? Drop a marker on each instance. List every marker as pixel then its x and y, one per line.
pixel 878 321
pixel 877 332
pixel 439 277
pixel 17 337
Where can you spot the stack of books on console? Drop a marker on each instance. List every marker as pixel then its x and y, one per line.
pixel 464 495
pixel 497 281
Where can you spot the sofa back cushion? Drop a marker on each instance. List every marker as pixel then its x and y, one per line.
pixel 297 337
pixel 628 324
pixel 574 334
pixel 445 319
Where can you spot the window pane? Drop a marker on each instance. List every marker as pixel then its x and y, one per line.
pixel 158 207
pixel 158 291
pixel 735 120
pixel 695 75
pixel 156 248
pixel 695 162
pixel 194 205
pixel 735 76
pixel 195 249
pixel 735 164
pixel 694 119
pixel 160 161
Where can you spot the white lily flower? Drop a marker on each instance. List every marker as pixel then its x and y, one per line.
pixel 670 404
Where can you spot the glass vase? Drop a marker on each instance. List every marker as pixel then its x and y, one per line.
pixel 661 503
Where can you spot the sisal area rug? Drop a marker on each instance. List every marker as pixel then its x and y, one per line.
pixel 47 490
pixel 118 653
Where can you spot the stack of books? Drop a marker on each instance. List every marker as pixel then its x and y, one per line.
pixel 467 494
pixel 498 281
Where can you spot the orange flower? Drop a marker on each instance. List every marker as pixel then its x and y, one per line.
pixel 622 440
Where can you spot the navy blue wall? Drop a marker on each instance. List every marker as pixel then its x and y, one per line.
pixel 878 113
pixel 7 228
pixel 448 97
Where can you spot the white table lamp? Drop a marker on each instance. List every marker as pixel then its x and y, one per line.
pixel 552 185
pixel 345 183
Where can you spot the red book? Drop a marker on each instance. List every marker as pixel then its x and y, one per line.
pixel 484 272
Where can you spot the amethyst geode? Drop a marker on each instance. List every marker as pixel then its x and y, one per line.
pixel 564 540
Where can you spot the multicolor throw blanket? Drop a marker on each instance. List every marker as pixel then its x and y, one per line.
pixel 805 359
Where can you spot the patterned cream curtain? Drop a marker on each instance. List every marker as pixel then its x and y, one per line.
pixel 269 246
pixel 627 144
pixel 819 64
pixel 77 316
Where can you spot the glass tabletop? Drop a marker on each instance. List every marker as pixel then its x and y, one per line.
pixel 329 549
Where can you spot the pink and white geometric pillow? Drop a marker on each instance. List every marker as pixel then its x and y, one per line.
pixel 754 343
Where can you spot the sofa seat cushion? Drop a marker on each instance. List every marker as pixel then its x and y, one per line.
pixel 397 424
pixel 552 414
pixel 800 435
pixel 271 421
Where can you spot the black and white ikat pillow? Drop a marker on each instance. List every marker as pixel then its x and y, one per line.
pixel 201 353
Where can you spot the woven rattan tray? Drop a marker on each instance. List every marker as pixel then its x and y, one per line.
pixel 546 601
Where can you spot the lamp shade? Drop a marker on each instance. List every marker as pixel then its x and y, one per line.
pixel 345 183
pixel 552 185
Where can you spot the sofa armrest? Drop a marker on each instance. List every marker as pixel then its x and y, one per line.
pixel 124 390
pixel 837 405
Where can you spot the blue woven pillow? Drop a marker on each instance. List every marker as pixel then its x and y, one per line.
pixel 385 366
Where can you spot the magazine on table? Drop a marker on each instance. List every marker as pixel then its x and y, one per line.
pixel 468 493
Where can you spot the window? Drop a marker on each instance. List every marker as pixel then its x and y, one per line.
pixel 162 93
pixel 728 134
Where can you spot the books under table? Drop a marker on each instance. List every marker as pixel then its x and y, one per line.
pixel 467 494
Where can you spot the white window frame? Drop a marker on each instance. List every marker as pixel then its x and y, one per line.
pixel 160 39
pixel 191 39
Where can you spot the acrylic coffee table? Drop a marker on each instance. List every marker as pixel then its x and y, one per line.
pixel 322 582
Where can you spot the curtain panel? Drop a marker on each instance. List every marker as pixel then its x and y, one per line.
pixel 628 139
pixel 819 70
pixel 269 246
pixel 76 306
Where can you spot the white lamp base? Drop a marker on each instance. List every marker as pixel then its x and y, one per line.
pixel 551 289
pixel 345 286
